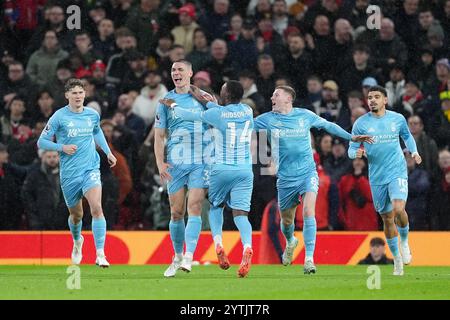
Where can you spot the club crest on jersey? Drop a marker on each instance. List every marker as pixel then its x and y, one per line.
pixel 393 127
pixel 301 123
pixel 89 122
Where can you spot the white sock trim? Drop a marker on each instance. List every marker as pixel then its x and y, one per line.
pixel 218 240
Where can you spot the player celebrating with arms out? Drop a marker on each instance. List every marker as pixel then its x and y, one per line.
pixel 77 130
pixel 184 166
pixel 231 179
pixel 289 131
pixel 388 175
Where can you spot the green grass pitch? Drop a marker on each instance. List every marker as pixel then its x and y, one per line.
pixel 211 283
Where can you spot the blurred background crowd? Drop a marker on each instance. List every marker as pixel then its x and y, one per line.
pixel 124 51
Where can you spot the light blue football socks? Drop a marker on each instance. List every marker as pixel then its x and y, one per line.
pixel 309 236
pixel 99 232
pixel 75 229
pixel 393 246
pixel 193 229
pixel 177 229
pixel 245 230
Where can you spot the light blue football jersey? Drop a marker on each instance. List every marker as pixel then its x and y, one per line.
pixel 385 155
pixel 289 135
pixel 232 130
pixel 81 129
pixel 185 143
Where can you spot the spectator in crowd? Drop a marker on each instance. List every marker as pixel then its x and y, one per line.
pixel 426 146
pixel 14 124
pixel 42 64
pixel 280 16
pixel 388 49
pixel 233 34
pixel 17 82
pixel 217 22
pixel 418 187
pixel 267 36
pixel 200 54
pixel 423 70
pixel 355 99
pixel 55 20
pixel 42 196
pixel 45 105
pixel 104 42
pixel 436 40
pixel 245 49
pixel 265 80
pixel 327 8
pixel 358 15
pixel 321 44
pixel 146 103
pixel 56 85
pixel 121 170
pixel 412 97
pixel 11 206
pixel 325 143
pixel 143 21
pixel 337 164
pixel 356 210
pixel 377 254
pixel 117 65
pixel 163 46
pixel 407 23
pixel 395 87
pixel 24 151
pixel 313 93
pixel 359 69
pixel 440 199
pixel 247 79
pixel 183 34
pixel 296 63
pixel 330 107
pixel 132 121
pixel 440 130
pixel 85 49
pixel 342 46
pixel 202 80
pixel 134 79
pixel 221 67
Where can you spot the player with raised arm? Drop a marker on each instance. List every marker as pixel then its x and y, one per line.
pixel 288 130
pixel 388 174
pixel 77 131
pixel 231 178
pixel 183 167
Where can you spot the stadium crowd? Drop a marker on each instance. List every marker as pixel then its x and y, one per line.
pixel 124 51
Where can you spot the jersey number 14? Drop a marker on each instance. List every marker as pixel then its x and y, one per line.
pixel 245 134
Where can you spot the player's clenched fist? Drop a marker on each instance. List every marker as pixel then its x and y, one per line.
pixel 360 153
pixel 69 149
